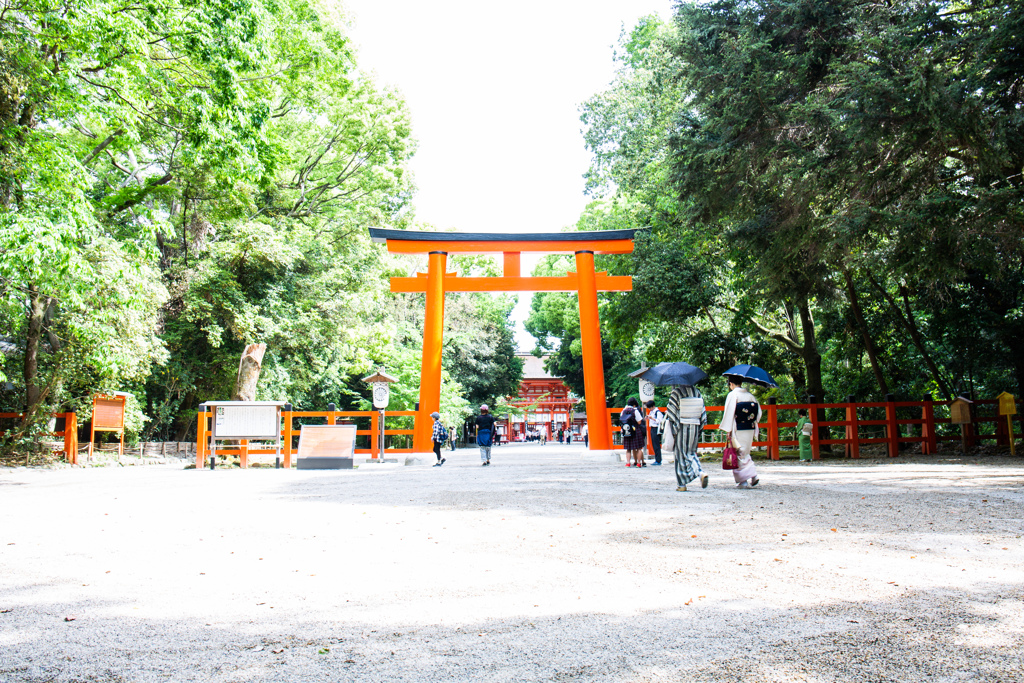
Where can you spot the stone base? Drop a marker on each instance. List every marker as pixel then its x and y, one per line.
pixel 329 463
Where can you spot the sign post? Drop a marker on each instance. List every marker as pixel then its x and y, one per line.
pixel 380 382
pixel 232 420
pixel 1008 407
pixel 108 416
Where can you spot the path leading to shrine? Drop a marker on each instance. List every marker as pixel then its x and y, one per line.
pixel 549 565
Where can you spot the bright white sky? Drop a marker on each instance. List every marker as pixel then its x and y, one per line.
pixel 494 91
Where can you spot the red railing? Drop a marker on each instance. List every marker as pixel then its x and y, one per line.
pixel 69 434
pixel 290 432
pixel 891 417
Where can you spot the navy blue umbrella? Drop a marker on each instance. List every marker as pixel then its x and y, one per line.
pixel 667 374
pixel 751 373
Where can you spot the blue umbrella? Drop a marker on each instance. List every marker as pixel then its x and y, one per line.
pixel 751 373
pixel 666 374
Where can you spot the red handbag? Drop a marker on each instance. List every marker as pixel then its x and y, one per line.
pixel 730 456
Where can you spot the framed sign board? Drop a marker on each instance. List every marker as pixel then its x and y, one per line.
pixel 246 420
pixel 108 413
pixel 326 447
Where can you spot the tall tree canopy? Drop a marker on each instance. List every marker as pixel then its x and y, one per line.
pixel 179 180
pixel 840 180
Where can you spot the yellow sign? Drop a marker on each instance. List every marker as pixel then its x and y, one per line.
pixel 1007 403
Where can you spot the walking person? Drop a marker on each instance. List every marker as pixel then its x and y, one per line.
pixel 438 437
pixel 655 418
pixel 740 418
pixel 634 436
pixel 484 432
pixel 685 420
pixel 586 436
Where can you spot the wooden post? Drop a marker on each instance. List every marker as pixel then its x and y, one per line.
pixel 593 361
pixel 930 445
pixel 288 432
pixel 773 430
pixel 891 426
pixel 374 434
pixel 71 438
pixel 852 430
pixel 815 433
pixel 201 438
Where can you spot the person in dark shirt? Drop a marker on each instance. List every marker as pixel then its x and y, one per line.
pixel 485 433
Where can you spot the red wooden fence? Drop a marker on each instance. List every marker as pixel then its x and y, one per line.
pixel 898 422
pixel 70 433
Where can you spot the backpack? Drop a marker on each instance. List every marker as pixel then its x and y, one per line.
pixel 444 435
pixel 630 425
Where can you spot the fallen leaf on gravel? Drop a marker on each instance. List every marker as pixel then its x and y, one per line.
pixel 852 621
pixel 694 536
pixel 689 602
pixel 277 652
pixel 778 560
pixel 5 611
pixel 70 618
pixel 835 530
pixel 350 661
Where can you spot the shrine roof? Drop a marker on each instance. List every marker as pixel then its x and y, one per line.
pixel 422 241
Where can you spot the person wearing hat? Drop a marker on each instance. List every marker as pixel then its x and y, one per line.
pixel 485 433
pixel 740 417
pixel 438 437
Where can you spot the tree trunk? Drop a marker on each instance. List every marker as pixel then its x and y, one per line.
pixel 30 369
pixel 869 343
pixel 249 372
pixel 812 361
pixel 915 336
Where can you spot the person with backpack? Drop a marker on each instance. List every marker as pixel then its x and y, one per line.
pixel 438 437
pixel 484 433
pixel 634 436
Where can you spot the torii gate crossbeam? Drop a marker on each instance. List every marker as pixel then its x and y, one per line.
pixel 437 281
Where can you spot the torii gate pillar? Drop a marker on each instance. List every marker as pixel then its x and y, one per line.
pixel 436 282
pixel 433 339
pixel 598 425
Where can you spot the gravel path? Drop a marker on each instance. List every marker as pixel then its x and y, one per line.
pixel 548 566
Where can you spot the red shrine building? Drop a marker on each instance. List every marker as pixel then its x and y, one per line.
pixel 548 402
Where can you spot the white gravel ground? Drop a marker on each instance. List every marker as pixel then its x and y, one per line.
pixel 548 566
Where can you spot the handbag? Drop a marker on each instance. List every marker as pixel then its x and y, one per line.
pixel 668 438
pixel 730 456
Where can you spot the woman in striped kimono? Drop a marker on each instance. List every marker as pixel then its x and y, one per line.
pixel 685 420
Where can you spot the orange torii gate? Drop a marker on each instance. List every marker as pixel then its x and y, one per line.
pixel 437 281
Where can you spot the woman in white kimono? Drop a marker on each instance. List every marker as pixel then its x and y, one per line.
pixel 742 413
pixel 684 421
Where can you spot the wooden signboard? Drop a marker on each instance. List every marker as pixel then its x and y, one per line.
pixel 246 420
pixel 326 447
pixel 108 413
pixel 108 416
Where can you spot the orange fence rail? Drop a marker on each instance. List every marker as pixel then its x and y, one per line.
pixel 69 433
pixel 899 422
pixel 290 434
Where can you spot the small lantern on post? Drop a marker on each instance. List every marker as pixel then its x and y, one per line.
pixel 1008 407
pixel 960 414
pixel 379 383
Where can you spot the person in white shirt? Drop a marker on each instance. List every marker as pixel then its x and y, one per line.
pixel 655 418
pixel 740 418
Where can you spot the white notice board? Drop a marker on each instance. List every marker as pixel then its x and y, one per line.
pixel 327 441
pixel 246 422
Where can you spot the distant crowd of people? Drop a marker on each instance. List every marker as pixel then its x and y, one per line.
pixel 676 430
